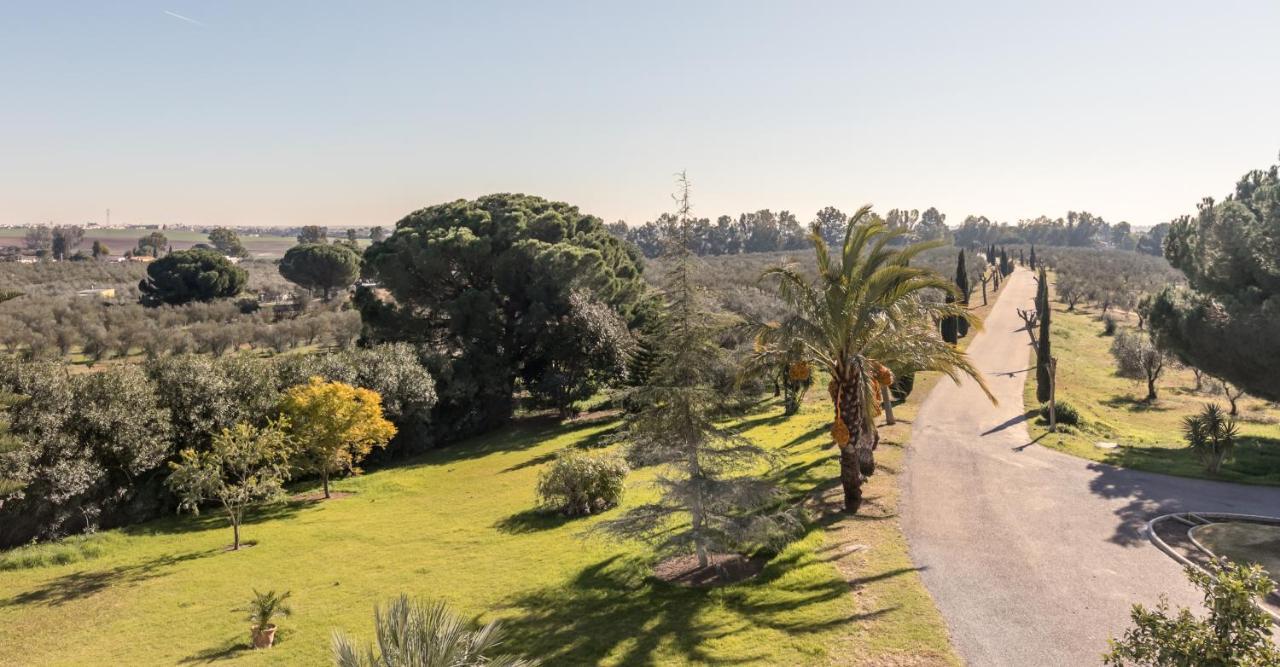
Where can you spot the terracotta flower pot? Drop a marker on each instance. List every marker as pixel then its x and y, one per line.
pixel 264 637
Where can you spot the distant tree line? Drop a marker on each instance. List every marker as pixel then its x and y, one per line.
pixel 767 231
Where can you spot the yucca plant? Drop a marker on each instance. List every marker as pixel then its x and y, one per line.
pixel 413 634
pixel 866 309
pixel 1211 435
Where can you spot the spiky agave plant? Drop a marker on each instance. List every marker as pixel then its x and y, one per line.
pixel 866 307
pixel 413 634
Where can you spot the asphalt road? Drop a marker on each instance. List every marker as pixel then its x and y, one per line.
pixel 1034 557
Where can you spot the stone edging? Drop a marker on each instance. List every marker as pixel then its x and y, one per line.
pixel 1194 520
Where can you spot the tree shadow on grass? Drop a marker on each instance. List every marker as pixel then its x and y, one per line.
pixel 84 583
pixel 228 650
pixel 1135 404
pixel 217 519
pixel 531 521
pixel 615 609
pixel 808 436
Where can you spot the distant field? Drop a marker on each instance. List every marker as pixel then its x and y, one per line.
pixel 120 240
pixel 1148 436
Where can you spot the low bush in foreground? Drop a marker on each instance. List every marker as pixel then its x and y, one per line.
pixel 1236 631
pixel 412 634
pixel 578 483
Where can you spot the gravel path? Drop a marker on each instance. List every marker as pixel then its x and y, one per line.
pixel 1033 556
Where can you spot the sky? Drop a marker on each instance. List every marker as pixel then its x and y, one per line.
pixel 345 113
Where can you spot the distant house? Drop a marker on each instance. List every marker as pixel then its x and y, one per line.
pixel 142 258
pixel 101 293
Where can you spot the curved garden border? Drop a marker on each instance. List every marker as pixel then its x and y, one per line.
pixel 1192 520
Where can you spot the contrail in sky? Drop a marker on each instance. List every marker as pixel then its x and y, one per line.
pixel 176 15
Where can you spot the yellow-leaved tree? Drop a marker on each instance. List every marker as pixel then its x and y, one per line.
pixel 335 425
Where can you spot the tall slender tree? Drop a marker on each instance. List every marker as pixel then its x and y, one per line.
pixel 705 466
pixel 862 312
pixel 1044 350
pixel 962 284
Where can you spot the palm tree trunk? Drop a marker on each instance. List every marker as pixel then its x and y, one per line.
pixel 855 436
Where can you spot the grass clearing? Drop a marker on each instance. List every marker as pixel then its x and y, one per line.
pixel 459 524
pixel 1148 436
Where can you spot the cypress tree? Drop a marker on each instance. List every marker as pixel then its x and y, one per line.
pixel 949 325
pixel 1033 257
pixel 1044 308
pixel 962 282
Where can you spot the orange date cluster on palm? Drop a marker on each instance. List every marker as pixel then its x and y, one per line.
pixel 881 377
pixel 798 372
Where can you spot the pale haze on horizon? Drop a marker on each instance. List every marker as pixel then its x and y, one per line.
pixel 293 113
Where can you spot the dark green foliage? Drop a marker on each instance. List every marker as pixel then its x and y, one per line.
pixel 313 234
pixel 1063 412
pixel 1236 632
pixel 152 244
pixel 1109 325
pixel 1033 258
pixel 191 275
pixel 488 284
pixel 1228 322
pixel 227 242
pixel 580 483
pixel 948 324
pixel 88 445
pixel 321 266
pixel 1211 435
pixel 1044 347
pixel 962 283
pixel 903 383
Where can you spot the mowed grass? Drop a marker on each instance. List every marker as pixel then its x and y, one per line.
pixel 458 524
pixel 1148 435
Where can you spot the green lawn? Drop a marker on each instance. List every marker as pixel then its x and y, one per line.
pixel 457 524
pixel 1149 436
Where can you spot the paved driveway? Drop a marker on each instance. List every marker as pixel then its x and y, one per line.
pixel 1033 556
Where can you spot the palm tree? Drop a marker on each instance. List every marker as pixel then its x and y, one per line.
pixel 866 309
pixel 411 634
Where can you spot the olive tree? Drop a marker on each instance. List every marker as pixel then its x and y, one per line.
pixel 1139 358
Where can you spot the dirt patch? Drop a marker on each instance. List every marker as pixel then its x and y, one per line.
pixel 318 496
pixel 722 569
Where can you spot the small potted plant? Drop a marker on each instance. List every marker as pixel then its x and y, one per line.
pixel 263 609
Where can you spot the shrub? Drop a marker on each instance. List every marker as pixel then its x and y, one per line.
pixel 1063 411
pixel 412 634
pixel 1108 325
pixel 70 550
pixel 1236 631
pixel 578 483
pixel 1211 435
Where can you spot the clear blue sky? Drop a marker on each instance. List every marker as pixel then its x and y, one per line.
pixel 320 112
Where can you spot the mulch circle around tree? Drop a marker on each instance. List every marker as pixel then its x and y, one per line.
pixel 721 569
pixel 318 496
